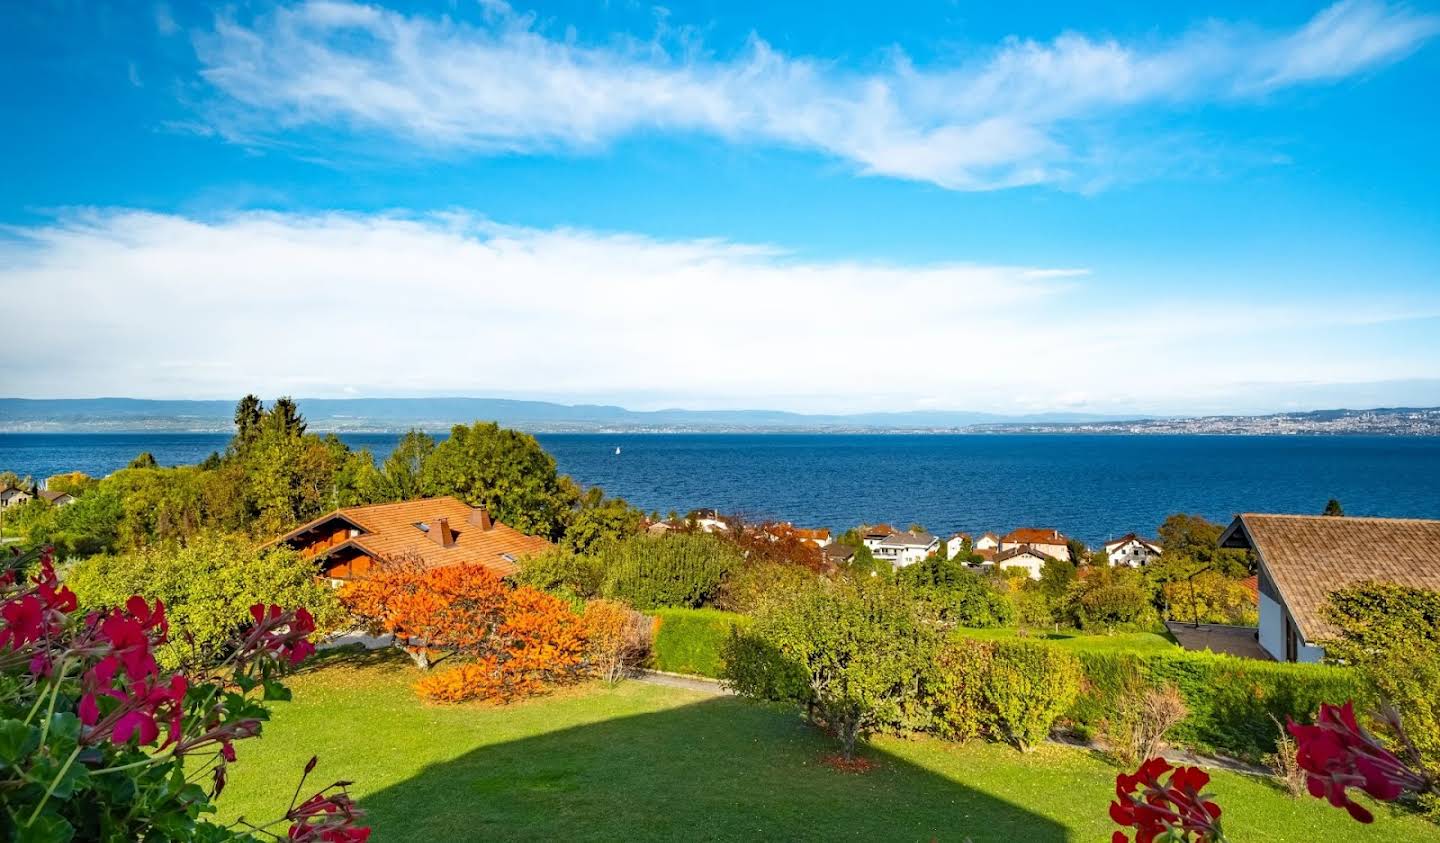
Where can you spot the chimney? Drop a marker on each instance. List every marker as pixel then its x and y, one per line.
pixel 440 532
pixel 480 517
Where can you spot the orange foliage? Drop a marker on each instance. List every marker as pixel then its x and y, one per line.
pixel 619 638
pixel 519 638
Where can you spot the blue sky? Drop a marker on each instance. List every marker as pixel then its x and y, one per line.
pixel 1115 208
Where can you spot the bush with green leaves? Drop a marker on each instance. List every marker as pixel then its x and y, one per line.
pixel 693 640
pixel 1028 687
pixel 956 595
pixel 1111 599
pixel 1231 700
pixel 1390 634
pixel 861 646
pixel 206 585
pixel 563 573
pixel 956 689
pixel 678 569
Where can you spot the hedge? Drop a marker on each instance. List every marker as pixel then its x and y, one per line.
pixel 1230 699
pixel 691 640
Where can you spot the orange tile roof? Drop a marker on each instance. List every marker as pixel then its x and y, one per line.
pixel 1310 556
pixel 1034 535
pixel 388 531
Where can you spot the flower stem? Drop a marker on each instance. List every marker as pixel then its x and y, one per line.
pixel 50 791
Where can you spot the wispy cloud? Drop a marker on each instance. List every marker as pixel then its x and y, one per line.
pixel 1021 112
pixel 318 304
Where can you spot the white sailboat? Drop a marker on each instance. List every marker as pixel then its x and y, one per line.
pixel 617 450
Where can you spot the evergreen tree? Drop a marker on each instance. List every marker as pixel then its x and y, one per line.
pixel 1333 508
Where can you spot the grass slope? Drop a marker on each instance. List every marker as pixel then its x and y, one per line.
pixel 642 762
pixel 1120 642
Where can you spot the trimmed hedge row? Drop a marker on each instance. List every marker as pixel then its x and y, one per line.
pixel 691 640
pixel 1230 699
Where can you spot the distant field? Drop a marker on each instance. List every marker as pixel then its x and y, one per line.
pixel 641 762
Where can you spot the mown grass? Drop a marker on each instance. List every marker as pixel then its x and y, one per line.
pixel 642 762
pixel 1120 642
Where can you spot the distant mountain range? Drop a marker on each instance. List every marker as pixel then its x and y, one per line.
pixel 391 414
pixel 97 415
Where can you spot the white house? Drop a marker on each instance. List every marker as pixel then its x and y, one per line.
pixel 57 498
pixel 1304 558
pixel 988 541
pixel 901 549
pixel 708 521
pixel 1024 556
pixel 873 534
pixel 1132 550
pixel 955 544
pixel 13 497
pixel 1049 542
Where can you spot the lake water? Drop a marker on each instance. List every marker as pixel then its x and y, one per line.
pixel 1091 487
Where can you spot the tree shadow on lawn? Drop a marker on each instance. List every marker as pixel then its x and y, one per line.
pixel 719 769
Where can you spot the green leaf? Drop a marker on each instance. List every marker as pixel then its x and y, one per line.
pixel 276 691
pixel 17 741
pixel 66 726
pixel 47 828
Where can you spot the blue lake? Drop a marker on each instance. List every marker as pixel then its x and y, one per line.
pixel 1091 487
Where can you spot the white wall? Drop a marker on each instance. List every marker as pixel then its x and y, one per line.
pixel 1272 628
pixel 1272 635
pixel 1032 564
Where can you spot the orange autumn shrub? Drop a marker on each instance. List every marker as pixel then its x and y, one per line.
pixel 620 639
pixel 517 640
pixel 538 642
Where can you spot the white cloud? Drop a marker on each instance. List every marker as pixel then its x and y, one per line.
pixel 1024 112
pixel 136 303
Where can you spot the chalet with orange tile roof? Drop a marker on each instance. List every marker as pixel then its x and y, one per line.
pixel 1303 559
pixel 437 532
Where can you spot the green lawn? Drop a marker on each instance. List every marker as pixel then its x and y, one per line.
pixel 1120 642
pixel 642 762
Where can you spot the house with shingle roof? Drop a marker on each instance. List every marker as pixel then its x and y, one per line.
pixel 13 497
pixel 1304 558
pixel 907 548
pixel 435 532
pixel 56 498
pixel 1030 558
pixel 1133 550
pixel 957 543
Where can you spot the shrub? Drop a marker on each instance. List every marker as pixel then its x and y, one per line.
pixel 1029 686
pixel 955 595
pixel 1137 730
pixel 680 569
pixel 1283 764
pixel 1230 699
pixel 562 572
pixel 693 640
pixel 1391 635
pixel 755 668
pixel 1107 598
pixel 538 641
pixel 518 639
pixel 619 639
pixel 957 689
pixel 748 587
pixel 1211 597
pixel 861 647
pixel 206 586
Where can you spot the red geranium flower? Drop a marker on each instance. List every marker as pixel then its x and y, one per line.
pixel 1154 809
pixel 1337 754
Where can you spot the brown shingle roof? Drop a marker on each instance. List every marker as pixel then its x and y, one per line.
pixel 1310 556
pixel 388 531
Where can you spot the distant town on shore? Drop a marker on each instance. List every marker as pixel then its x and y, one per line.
pixel 384 415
